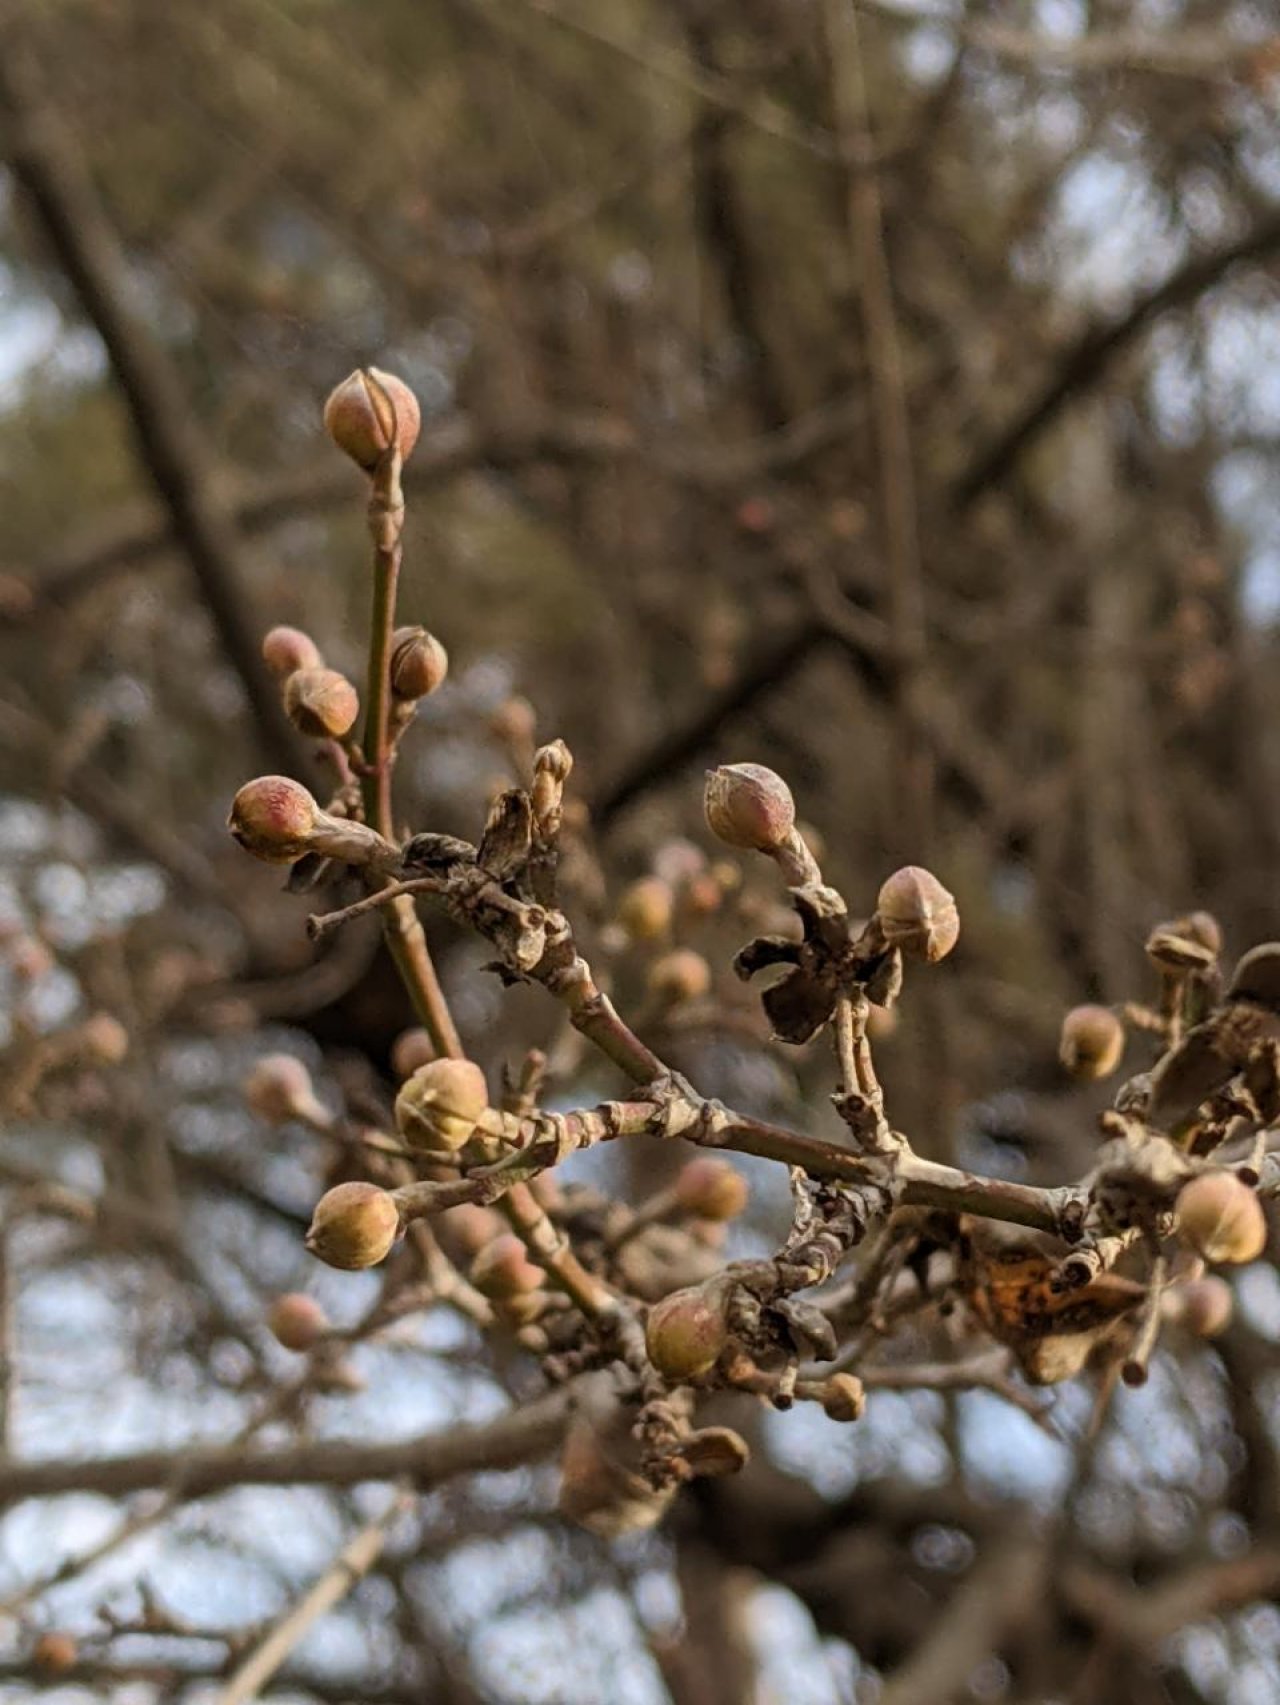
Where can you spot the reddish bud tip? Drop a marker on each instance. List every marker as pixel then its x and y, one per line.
pixel 749 806
pixel 369 411
pixel 285 650
pixel 273 818
pixel 297 1321
pixel 354 1226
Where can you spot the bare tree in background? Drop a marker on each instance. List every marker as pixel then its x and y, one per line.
pixel 879 396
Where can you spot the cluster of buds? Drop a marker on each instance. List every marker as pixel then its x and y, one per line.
pixel 277 820
pixel 440 1105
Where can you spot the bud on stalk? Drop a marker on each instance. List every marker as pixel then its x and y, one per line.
pixel 749 806
pixel 321 703
pixel 286 650
pixel 277 820
pixel 419 663
pixel 297 1321
pixel 1221 1218
pixel 440 1105
pixel 369 412
pixel 686 1332
pixel 917 914
pixel 279 1090
pixel 354 1226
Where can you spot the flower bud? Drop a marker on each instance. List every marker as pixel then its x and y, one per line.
pixel 29 959
pixel 368 411
pixel 515 723
pixel 285 650
pixel 686 1333
pixel 273 818
pixel 645 909
pixel 411 1049
pixel 1092 1042
pixel 917 914
pixel 469 1227
pixel 1222 1218
pixel 749 806
pixel 843 1398
pixel 437 1108
pixel 711 1189
pixel 54 1653
pixel 321 703
pixel 419 663
pixel 297 1321
pixel 354 1226
pixel 680 976
pixel 104 1039
pixel 1203 1306
pixel 279 1090
pixel 503 1269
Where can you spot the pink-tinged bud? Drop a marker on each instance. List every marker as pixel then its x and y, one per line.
pixel 274 819
pixel 502 1269
pixel 1092 1042
pixel 419 663
pixel 749 806
pixel 367 412
pixel 411 1049
pixel 686 1333
pixel 680 976
pixel 843 1398
pixel 54 1653
pixel 1203 1306
pixel 354 1226
pixel 285 650
pixel 645 909
pixel 297 1321
pixel 321 703
pixel 104 1039
pixel 711 1189
pixel 917 914
pixel 279 1090
pixel 469 1227
pixel 29 959
pixel 439 1106
pixel 1222 1218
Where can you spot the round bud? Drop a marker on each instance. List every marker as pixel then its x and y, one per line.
pixel 843 1398
pixel 470 1227
pixel 354 1226
pixel 273 818
pixel 1092 1042
pixel 279 1089
pixel 1203 1306
pixel 685 1334
pixel 54 1653
pixel 645 909
pixel 285 650
pixel 703 895
pixel 321 703
pixel 437 1108
pixel 503 1269
pixel 104 1039
pixel 369 411
pixel 29 958
pixel 419 663
pixel 711 1189
pixel 1222 1218
pixel 680 976
pixel 917 914
pixel 297 1321
pixel 411 1049
pixel 749 806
